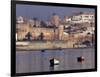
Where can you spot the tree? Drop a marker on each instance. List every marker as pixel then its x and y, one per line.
pixel 41 36
pixel 28 36
pixel 43 24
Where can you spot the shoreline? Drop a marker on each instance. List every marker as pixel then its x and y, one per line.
pixel 50 49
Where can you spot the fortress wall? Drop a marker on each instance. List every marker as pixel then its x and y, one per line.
pixel 48 33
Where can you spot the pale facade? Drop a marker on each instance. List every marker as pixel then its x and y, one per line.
pixel 80 18
pixel 20 19
pixel 83 18
pixel 67 19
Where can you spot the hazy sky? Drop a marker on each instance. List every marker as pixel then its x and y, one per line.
pixel 44 12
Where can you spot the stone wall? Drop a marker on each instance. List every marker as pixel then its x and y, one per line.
pixel 49 33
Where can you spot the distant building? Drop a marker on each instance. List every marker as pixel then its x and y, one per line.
pixel 76 26
pixel 48 23
pixel 83 18
pixel 20 19
pixel 31 22
pixel 49 33
pixel 67 19
pixel 55 20
pixel 61 30
pixel 36 22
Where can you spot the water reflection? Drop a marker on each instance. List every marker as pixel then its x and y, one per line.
pixel 37 61
pixel 55 67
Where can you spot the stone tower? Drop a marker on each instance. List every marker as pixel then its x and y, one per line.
pixel 55 20
pixel 60 32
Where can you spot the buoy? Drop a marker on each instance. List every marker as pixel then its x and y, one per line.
pixel 54 62
pixel 80 59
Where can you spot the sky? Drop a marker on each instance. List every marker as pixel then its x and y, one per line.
pixel 45 12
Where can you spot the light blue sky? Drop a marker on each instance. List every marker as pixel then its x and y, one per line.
pixel 44 12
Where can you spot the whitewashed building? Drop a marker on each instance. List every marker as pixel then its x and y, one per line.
pixel 83 18
pixel 67 19
pixel 19 20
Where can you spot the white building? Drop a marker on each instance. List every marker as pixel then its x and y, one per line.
pixel 67 19
pixel 34 22
pixel 20 19
pixel 83 18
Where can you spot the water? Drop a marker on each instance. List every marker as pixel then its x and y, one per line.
pixel 37 61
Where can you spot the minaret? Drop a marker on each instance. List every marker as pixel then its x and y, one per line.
pixel 55 20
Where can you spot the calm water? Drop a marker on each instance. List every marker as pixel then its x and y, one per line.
pixel 37 61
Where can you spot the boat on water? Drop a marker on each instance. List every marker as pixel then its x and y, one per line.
pixel 54 61
pixel 81 59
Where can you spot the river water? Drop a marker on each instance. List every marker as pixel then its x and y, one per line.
pixel 37 61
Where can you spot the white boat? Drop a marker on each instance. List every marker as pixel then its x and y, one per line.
pixel 54 61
